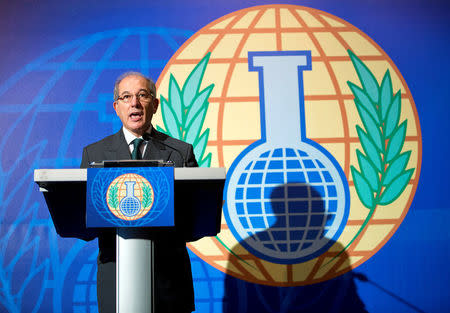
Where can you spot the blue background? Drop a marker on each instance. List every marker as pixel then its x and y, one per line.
pixel 42 273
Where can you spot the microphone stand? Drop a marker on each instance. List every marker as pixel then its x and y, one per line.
pixel 363 278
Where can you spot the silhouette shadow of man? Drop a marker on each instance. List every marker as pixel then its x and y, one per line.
pixel 289 229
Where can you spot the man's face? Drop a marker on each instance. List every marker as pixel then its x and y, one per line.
pixel 136 115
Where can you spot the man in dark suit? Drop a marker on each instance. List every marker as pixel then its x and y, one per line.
pixel 135 103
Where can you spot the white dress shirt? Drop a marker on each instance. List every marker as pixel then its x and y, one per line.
pixel 129 137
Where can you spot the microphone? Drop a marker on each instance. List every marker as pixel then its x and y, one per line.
pixel 148 137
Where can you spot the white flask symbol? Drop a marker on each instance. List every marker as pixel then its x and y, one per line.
pixel 286 197
pixel 130 204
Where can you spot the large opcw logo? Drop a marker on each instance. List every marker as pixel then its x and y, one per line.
pixel 319 133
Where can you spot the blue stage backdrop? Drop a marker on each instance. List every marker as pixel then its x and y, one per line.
pixel 330 117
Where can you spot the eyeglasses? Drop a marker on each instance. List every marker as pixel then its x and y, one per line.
pixel 142 96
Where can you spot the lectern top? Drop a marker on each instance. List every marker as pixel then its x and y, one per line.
pixel 80 174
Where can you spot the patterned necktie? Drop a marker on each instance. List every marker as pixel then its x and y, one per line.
pixel 136 155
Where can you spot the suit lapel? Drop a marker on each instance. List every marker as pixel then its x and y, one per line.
pixel 155 149
pixel 119 149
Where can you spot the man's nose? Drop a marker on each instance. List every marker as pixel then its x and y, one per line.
pixel 135 101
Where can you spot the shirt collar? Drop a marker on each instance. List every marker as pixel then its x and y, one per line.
pixel 129 137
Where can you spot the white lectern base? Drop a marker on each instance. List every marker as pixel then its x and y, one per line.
pixel 134 268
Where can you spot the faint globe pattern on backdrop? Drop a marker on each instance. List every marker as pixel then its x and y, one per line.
pixel 66 105
pixel 208 286
pixel 85 290
pixel 331 117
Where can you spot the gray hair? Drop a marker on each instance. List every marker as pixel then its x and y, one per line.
pixel 151 83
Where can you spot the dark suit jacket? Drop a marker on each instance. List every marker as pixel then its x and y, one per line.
pixel 173 278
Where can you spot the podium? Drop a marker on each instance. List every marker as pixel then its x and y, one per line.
pixel 197 213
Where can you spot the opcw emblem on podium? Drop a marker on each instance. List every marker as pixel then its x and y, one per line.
pixel 130 197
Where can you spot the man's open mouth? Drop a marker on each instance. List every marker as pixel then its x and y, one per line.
pixel 136 116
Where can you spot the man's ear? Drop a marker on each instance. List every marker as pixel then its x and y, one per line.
pixel 155 105
pixel 115 106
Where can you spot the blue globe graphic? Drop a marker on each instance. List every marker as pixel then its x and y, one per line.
pixel 57 104
pixel 130 206
pixel 286 202
pixel 208 286
pixel 85 290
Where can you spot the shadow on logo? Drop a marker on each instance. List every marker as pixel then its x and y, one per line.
pixel 301 225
